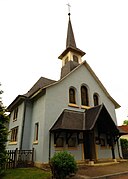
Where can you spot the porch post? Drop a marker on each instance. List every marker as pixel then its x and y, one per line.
pixel 90 145
pixel 112 147
pixel 113 152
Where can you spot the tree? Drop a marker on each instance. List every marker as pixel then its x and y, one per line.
pixel 3 135
pixel 125 122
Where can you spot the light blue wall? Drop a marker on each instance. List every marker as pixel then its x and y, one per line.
pixel 106 153
pixel 57 99
pixel 76 152
pixel 16 123
pixel 38 116
pixel 48 108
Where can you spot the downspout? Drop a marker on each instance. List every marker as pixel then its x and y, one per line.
pixel 22 130
pixel 49 146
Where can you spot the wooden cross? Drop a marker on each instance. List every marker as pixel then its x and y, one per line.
pixel 69 6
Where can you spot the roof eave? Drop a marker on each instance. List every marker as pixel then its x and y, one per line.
pixel 80 52
pixel 18 100
pixel 101 85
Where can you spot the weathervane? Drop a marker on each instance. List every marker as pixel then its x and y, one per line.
pixel 69 6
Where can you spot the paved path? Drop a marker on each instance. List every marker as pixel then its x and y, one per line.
pixel 115 176
pixel 116 171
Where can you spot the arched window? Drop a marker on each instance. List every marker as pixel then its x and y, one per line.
pixel 96 99
pixel 75 58
pixel 84 96
pixel 72 98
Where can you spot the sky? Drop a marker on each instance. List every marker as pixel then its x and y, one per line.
pixel 33 35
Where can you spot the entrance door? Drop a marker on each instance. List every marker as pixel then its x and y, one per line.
pixel 89 146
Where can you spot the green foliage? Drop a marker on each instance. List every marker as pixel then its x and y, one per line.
pixel 63 164
pixel 3 135
pixel 124 143
pixel 125 122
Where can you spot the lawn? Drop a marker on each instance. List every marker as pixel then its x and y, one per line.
pixel 26 173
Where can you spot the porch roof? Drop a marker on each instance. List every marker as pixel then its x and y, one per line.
pixel 83 121
pixel 69 120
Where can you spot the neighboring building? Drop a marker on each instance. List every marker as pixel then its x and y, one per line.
pixel 125 129
pixel 75 113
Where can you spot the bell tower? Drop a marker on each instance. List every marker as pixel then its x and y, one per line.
pixel 71 56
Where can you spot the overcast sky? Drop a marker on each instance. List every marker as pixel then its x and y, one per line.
pixel 33 35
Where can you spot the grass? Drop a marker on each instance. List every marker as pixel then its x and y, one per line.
pixel 26 173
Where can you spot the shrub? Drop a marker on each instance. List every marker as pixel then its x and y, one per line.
pixel 62 165
pixel 124 146
pixel 124 143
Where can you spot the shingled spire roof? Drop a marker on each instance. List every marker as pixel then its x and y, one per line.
pixel 70 42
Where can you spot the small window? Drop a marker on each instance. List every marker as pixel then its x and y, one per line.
pixel 60 142
pixel 15 114
pixel 102 142
pixel 72 142
pixel 36 131
pixel 75 58
pixel 14 134
pixel 72 98
pixel 84 96
pixel 66 60
pixel 95 99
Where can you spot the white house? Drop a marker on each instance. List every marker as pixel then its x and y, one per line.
pixel 76 113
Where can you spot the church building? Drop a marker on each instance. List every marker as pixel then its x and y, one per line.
pixel 75 113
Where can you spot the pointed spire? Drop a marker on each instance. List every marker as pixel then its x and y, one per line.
pixel 70 42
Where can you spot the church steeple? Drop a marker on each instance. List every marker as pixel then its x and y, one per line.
pixel 71 56
pixel 70 42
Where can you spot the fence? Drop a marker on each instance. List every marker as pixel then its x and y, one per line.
pixel 19 158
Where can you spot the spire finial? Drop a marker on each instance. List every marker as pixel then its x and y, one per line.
pixel 69 6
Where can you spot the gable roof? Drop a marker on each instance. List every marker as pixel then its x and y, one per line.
pixel 85 121
pixel 123 129
pixel 44 83
pixel 40 84
pixel 84 63
pixel 69 120
pixel 101 85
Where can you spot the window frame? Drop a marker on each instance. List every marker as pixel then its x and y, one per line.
pixel 72 96
pixel 96 101
pixel 57 144
pixel 14 134
pixel 84 96
pixel 75 144
pixel 75 58
pixel 36 132
pixel 15 114
pixel 66 60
